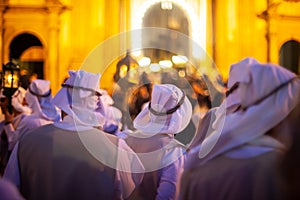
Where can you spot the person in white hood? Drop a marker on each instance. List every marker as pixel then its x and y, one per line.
pixel 19 111
pixel 252 129
pixel 38 99
pixel 168 113
pixel 73 158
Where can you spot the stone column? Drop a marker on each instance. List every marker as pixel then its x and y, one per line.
pixel 53 61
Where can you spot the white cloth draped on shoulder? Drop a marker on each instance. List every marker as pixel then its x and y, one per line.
pixel 262 95
pixel 38 97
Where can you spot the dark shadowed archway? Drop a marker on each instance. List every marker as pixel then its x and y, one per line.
pixel 169 16
pixel 290 55
pixel 27 50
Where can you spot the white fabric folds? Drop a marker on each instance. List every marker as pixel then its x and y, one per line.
pixel 262 95
pixel 38 97
pixel 79 98
pixel 154 119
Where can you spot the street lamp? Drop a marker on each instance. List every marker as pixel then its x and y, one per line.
pixel 10 81
pixel 124 66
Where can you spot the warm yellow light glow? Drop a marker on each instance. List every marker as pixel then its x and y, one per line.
pixel 34 53
pixel 136 53
pixel 199 26
pixel 154 67
pixel 144 62
pixel 181 73
pixel 26 2
pixel 231 19
pixel 166 5
pixel 165 64
pixel 123 71
pixel 197 21
pixel 179 60
pixel 11 81
pixel 65 28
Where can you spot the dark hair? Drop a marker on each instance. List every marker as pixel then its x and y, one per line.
pixel 25 81
pixel 136 100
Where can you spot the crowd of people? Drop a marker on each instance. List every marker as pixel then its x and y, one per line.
pixel 75 145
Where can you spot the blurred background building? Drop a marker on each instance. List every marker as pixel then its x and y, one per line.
pixel 49 37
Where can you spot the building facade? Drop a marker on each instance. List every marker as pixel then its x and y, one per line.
pixel 50 37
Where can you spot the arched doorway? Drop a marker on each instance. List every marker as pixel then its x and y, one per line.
pixel 167 15
pixel 28 51
pixel 290 55
pixel 165 45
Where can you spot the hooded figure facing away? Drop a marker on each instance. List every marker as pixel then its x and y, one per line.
pixel 72 158
pixel 240 154
pixel 168 113
pixel 38 98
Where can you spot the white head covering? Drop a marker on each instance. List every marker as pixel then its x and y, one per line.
pixel 169 111
pixel 38 97
pixel 79 98
pixel 104 108
pixel 261 96
pixel 113 117
pixel 17 101
pixel 106 99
